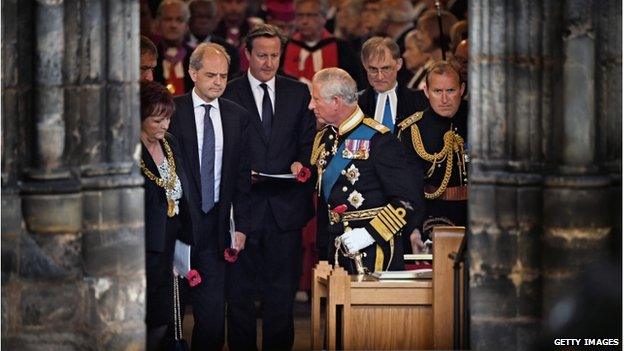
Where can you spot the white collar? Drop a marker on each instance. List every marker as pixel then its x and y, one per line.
pixel 255 82
pixel 197 101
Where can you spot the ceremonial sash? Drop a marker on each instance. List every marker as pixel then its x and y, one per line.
pixel 338 162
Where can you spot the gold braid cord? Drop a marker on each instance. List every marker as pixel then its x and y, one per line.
pixel 453 143
pixel 168 183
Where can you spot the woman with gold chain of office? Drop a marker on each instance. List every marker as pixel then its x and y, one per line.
pixel 438 137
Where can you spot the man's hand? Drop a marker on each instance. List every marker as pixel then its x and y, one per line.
pixel 418 246
pixel 296 167
pixel 239 241
pixel 357 239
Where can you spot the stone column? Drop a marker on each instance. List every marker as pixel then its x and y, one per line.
pixel 113 241
pixel 72 198
pixel 510 68
pixel 545 123
pixel 577 226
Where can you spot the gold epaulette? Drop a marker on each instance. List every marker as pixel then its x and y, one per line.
pixel 316 150
pixel 410 120
pixel 376 125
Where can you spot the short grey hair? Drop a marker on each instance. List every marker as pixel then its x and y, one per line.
pixel 322 4
pixel 336 82
pixel 195 62
pixel 186 14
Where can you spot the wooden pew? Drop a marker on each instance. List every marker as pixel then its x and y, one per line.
pixel 390 315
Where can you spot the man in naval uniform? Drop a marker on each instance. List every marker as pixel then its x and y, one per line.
pixel 438 136
pixel 363 178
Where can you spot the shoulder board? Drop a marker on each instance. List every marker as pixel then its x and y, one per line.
pixel 376 125
pixel 410 120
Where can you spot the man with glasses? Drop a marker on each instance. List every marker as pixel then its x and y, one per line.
pixel 388 102
pixel 385 100
pixel 313 48
pixel 438 136
pixel 149 55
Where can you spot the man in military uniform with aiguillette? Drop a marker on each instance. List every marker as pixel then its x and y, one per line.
pixel 438 136
pixel 363 179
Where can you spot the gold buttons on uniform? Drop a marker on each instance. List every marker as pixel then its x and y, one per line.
pixel 344 189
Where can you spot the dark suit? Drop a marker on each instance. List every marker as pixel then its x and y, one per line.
pixel 161 232
pixel 213 234
pixel 408 102
pixel 281 209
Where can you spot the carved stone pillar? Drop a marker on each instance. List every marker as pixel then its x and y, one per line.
pixel 507 68
pixel 545 126
pixel 72 198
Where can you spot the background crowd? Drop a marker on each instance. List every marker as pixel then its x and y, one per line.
pixel 408 63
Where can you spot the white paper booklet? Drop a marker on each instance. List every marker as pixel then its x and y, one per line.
pixel 182 258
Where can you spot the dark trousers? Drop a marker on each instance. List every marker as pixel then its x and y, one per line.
pixel 271 263
pixel 207 298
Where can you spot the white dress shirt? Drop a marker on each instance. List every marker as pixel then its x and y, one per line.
pixel 258 92
pixel 215 116
pixel 381 103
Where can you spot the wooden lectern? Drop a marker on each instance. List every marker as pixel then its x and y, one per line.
pixel 387 314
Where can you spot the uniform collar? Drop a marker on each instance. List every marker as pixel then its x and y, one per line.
pixel 351 122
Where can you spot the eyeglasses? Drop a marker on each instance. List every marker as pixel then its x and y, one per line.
pixel 385 70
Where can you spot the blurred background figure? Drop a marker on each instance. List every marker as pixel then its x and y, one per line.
pixel 461 58
pixel 148 56
pixel 312 48
pixel 373 19
pixel 415 61
pixel 203 20
pixel 173 53
pixel 234 24
pixel 459 32
pixel 398 24
pixel 147 22
pixel 429 38
pixel 281 14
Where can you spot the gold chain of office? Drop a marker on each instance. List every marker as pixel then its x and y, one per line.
pixel 453 144
pixel 169 183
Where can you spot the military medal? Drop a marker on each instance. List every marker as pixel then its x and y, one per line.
pixel 356 149
pixel 355 199
pixel 352 174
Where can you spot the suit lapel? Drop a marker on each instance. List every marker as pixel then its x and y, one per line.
pixel 401 104
pixel 190 138
pixel 281 106
pixel 370 102
pixel 249 103
pixel 228 138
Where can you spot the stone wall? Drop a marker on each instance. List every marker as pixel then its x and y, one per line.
pixel 72 197
pixel 545 130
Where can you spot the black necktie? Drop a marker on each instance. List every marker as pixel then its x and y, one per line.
pixel 206 170
pixel 267 110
